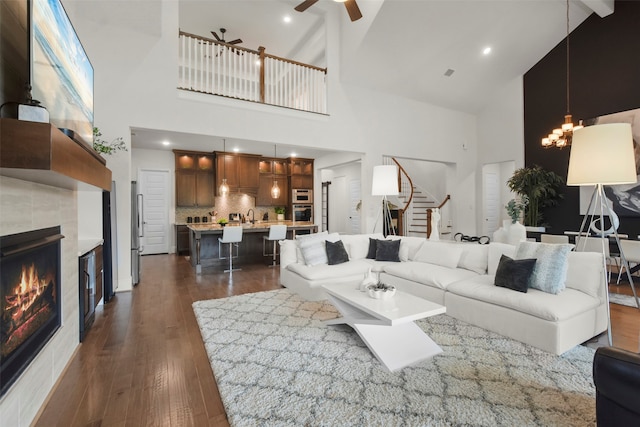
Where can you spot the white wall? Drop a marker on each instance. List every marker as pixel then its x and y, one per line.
pixel 501 136
pixel 339 208
pixel 135 81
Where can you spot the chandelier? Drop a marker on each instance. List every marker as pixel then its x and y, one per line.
pixel 561 137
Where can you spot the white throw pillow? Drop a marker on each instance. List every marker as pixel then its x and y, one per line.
pixel 550 272
pixel 308 238
pixel 314 252
pixel 439 253
pixel 496 250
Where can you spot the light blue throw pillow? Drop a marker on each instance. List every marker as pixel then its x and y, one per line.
pixel 550 271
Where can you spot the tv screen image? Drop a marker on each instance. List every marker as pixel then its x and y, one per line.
pixel 61 73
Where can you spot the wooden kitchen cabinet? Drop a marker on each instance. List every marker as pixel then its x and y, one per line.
pixel 301 173
pixel 182 240
pixel 242 172
pixel 264 198
pixel 194 179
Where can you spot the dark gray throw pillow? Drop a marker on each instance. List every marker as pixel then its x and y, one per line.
pixel 514 273
pixel 388 250
pixel 336 253
pixel 373 245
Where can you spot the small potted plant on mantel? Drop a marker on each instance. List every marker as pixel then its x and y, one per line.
pixel 279 213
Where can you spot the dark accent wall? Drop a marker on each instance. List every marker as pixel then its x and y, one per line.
pixel 604 79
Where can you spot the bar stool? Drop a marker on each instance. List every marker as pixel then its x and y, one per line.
pixel 232 236
pixel 276 233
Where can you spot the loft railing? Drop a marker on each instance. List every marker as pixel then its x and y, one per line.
pixel 209 66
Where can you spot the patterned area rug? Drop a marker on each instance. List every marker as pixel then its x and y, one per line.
pixel 277 364
pixel 621 299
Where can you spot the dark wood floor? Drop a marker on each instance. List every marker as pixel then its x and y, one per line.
pixel 143 361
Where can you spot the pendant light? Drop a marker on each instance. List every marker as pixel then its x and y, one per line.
pixel 275 190
pixel 224 187
pixel 561 137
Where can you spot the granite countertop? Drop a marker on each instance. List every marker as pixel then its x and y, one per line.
pixel 257 227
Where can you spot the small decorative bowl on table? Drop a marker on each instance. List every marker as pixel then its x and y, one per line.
pixel 381 291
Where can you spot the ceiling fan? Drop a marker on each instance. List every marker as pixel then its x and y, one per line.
pixel 222 40
pixel 352 7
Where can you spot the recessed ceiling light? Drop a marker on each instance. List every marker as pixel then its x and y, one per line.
pixel 486 51
pixel 286 19
pixel 258 63
pixel 166 143
pixel 235 150
pixel 293 154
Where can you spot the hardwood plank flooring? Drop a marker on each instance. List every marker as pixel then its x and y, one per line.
pixel 143 361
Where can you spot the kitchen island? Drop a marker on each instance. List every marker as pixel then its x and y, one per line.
pixel 203 240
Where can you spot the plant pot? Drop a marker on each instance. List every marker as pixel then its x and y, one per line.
pixel 280 217
pixel 517 233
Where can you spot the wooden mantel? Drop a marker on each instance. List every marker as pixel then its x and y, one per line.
pixel 39 152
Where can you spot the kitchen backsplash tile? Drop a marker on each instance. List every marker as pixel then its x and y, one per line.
pixel 233 203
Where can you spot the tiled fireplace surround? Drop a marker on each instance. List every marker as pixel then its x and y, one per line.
pixel 26 206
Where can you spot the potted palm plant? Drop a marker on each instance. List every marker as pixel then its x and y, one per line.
pixel 541 187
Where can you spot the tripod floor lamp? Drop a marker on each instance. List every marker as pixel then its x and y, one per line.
pixel 602 155
pixel 385 183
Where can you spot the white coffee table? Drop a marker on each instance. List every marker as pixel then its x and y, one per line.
pixel 387 326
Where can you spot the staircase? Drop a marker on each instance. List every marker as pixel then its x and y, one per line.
pixel 417 213
pixel 413 203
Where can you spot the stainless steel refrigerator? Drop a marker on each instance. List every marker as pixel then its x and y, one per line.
pixel 137 232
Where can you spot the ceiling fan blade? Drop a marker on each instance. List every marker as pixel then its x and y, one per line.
pixel 216 36
pixel 306 4
pixel 353 10
pixel 236 41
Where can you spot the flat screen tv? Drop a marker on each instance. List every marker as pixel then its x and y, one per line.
pixel 61 73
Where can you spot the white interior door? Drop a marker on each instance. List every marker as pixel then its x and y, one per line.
pixel 154 186
pixel 338 205
pixel 354 199
pixel 491 202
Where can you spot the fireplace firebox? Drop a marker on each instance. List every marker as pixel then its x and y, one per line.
pixel 30 265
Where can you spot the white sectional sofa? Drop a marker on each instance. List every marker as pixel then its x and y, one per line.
pixel 461 277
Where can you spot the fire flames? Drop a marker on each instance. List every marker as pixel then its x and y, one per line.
pixel 27 291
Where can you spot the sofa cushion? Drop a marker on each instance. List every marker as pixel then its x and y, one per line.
pixel 537 303
pixel 496 250
pixel 514 274
pixel 321 272
pixel 373 247
pixel 302 238
pixel 428 274
pixel 474 257
pixel 585 272
pixel 313 248
pixel 388 250
pixel 409 246
pixel 550 271
pixel 336 253
pixel 439 253
pixel 357 245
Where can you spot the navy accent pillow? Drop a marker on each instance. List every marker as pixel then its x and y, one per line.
pixel 388 250
pixel 336 253
pixel 514 273
pixel 373 244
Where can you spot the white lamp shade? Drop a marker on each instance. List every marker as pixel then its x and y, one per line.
pixel 385 181
pixel 602 154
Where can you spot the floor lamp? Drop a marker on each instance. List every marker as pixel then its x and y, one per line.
pixel 385 183
pixel 603 155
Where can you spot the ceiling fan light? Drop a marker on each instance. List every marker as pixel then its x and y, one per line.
pixel 553 137
pixel 561 143
pixel 577 127
pixel 546 142
pixel 558 131
pixel 567 127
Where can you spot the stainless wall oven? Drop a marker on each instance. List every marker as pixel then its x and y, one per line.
pixel 301 196
pixel 303 213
